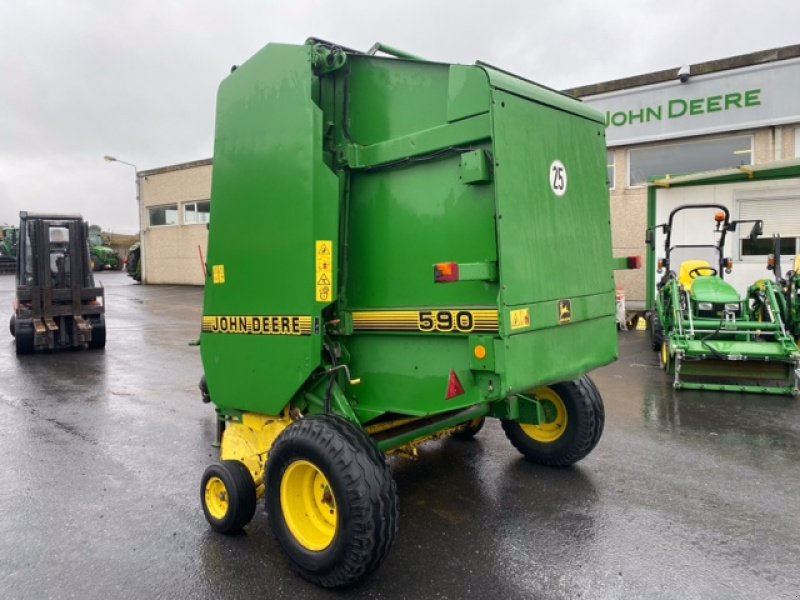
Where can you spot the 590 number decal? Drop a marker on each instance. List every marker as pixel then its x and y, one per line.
pixel 441 320
pixel 446 320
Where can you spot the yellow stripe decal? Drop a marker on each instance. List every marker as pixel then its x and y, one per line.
pixel 439 320
pixel 258 325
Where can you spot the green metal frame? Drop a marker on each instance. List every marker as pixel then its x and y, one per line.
pixel 392 166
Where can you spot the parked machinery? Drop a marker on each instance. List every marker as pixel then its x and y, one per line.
pixel 57 304
pixel 708 335
pixel 388 259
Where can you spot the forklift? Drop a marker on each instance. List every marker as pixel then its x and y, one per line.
pixel 57 304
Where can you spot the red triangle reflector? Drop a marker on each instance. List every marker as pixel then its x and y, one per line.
pixel 454 387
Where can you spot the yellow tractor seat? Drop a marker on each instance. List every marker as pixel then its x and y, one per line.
pixel 687 267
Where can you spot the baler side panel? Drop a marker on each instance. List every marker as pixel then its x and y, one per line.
pixel 553 249
pixel 273 198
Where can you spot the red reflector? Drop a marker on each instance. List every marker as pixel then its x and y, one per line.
pixel 445 272
pixel 454 387
pixel 634 262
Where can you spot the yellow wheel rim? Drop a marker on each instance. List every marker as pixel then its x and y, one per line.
pixel 308 505
pixel 665 354
pixel 555 413
pixel 216 498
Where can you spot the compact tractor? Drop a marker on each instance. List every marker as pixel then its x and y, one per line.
pixel 708 336
pixel 57 304
pixel 788 286
pixel 101 255
pixel 385 266
pixel 8 249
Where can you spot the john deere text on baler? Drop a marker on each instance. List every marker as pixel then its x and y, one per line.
pixel 702 327
pixel 388 246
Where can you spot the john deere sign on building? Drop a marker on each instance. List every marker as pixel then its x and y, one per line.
pixel 757 96
pixel 734 112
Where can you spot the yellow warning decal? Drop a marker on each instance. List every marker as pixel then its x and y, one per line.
pixel 218 273
pixel 258 325
pixel 324 271
pixel 520 318
pixel 439 320
pixel 564 311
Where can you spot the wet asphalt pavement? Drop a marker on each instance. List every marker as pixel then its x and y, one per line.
pixel 688 495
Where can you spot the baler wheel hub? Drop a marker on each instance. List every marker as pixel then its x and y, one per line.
pixel 308 505
pixel 555 413
pixel 217 498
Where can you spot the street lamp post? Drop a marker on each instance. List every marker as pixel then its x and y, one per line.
pixel 142 262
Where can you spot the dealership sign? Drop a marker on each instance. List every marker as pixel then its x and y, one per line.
pixel 756 96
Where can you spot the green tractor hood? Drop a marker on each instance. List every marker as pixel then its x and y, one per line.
pixel 714 290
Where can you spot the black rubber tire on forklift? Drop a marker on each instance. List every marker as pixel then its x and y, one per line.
pixel 24 335
pixel 575 431
pixel 656 332
pixel 470 429
pixel 228 496
pixel 98 340
pixel 331 500
pixel 12 325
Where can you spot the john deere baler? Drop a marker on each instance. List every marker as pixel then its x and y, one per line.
pixel 398 249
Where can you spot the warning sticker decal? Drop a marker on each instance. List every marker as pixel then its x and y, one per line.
pixel 324 272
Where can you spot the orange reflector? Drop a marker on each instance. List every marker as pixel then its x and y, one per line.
pixel 660 265
pixel 445 272
pixel 454 387
pixel 480 352
pixel 719 217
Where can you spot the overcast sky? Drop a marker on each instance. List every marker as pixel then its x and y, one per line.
pixel 137 79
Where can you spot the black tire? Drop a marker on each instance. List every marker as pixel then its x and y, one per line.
pixel 358 500
pixel 12 325
pixel 656 332
pixel 582 406
pixel 599 411
pixel 228 496
pixel 98 340
pixel 470 429
pixel 24 335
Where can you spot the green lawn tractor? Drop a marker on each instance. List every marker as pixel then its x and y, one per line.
pixel 788 286
pixel 103 256
pixel 386 265
pixel 8 249
pixel 57 303
pixel 708 336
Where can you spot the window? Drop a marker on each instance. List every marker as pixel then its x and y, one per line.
pixel 688 157
pixel 797 142
pixel 781 215
pixel 163 215
pixel 610 169
pixel 196 212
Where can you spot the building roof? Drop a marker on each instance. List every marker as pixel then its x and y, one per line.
pixel 712 66
pixel 179 167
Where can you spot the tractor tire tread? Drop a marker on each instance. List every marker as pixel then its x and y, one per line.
pixel 241 494
pixel 585 427
pixel 368 486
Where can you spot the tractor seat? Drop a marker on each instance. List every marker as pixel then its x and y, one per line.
pixel 687 267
